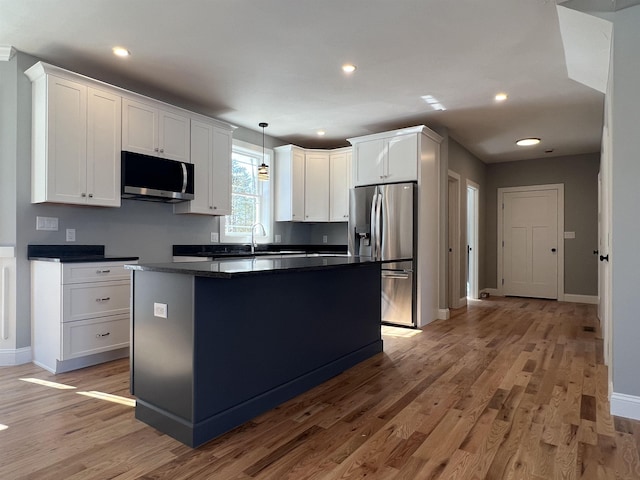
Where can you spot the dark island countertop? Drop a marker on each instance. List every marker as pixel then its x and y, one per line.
pixel 236 250
pixel 229 268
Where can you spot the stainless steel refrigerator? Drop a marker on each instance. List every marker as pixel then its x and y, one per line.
pixel 382 225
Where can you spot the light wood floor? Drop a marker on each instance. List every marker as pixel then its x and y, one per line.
pixel 507 388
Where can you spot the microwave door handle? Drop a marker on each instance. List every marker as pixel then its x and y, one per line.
pixel 184 177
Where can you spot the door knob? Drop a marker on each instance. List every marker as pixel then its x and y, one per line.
pixel 595 252
pixel 604 258
pixel 553 250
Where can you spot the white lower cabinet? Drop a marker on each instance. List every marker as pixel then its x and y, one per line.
pixel 80 313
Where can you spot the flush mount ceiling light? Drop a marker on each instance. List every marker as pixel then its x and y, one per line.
pixel 263 169
pixel 348 68
pixel 433 102
pixel 527 142
pixel 501 97
pixel 121 51
pixel 321 133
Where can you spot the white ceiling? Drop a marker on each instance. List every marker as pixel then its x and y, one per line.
pixel 278 61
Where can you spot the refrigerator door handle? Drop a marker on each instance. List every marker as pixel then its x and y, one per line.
pixel 379 226
pixel 399 275
pixel 372 227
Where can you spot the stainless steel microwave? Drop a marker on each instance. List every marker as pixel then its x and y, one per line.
pixel 156 179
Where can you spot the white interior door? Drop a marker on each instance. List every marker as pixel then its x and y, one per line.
pixel 604 250
pixel 530 243
pixel 472 239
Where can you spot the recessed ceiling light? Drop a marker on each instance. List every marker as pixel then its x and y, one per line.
pixel 321 133
pixel 348 68
pixel 526 142
pixel 501 97
pixel 121 52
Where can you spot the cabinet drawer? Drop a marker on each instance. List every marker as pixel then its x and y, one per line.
pixel 100 299
pixel 94 272
pixel 86 337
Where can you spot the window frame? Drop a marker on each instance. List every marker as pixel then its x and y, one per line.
pixel 267 194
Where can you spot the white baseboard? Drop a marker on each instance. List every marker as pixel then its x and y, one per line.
pixel 627 406
pixel 18 356
pixel 573 298
pixel 443 314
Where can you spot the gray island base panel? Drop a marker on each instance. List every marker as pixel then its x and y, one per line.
pixel 234 346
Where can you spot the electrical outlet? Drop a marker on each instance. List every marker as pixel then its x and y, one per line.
pixel 47 223
pixel 214 237
pixel 325 238
pixel 71 234
pixel 278 238
pixel 160 310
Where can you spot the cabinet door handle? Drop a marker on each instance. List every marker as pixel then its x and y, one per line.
pixel 103 299
pixel 83 194
pixel 103 271
pixel 99 335
pixel 91 195
pixel 162 150
pixel 155 149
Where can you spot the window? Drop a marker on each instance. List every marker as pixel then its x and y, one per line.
pixel 251 199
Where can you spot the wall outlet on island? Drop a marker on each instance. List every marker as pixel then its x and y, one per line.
pixel 278 238
pixel 214 237
pixel 71 234
pixel 325 238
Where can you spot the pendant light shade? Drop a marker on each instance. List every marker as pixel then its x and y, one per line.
pixel 263 169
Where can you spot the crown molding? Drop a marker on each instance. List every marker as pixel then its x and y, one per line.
pixel 6 53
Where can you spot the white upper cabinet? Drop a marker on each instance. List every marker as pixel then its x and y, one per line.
pixel 385 160
pixel 76 140
pixel 312 185
pixel 289 184
pixel 316 187
pixel 211 156
pixel 339 185
pixel 155 130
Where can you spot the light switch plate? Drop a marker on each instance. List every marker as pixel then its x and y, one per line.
pixel 278 238
pixel 569 234
pixel 215 237
pixel 160 310
pixel 71 234
pixel 325 239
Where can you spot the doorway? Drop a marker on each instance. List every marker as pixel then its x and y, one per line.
pixel 531 241
pixel 473 201
pixel 453 258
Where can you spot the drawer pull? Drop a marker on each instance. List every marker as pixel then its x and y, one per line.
pixel 99 335
pixel 103 299
pixel 103 271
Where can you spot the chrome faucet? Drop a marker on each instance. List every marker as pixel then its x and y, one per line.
pixel 254 244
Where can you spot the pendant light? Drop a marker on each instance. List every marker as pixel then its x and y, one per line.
pixel 263 170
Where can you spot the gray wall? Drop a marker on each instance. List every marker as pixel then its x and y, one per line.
pixel 579 174
pixel 469 167
pixel 8 135
pixel 624 256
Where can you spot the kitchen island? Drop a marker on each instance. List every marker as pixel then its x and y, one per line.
pixel 213 344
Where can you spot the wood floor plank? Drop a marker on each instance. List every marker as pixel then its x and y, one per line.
pixel 507 388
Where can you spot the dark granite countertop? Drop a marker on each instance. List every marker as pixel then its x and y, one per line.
pixel 73 254
pixel 235 250
pixel 229 268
